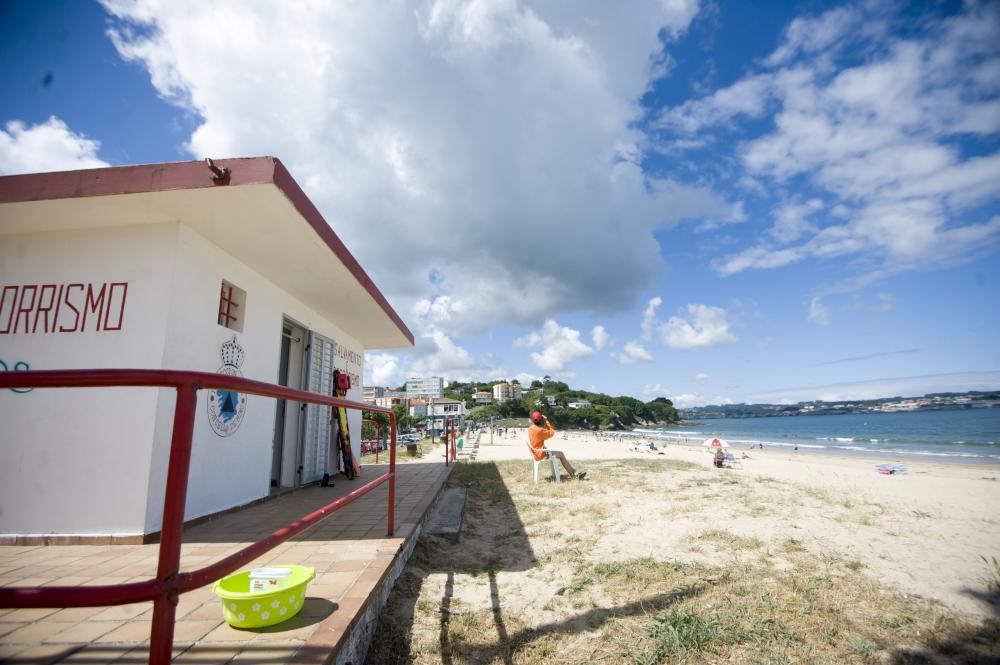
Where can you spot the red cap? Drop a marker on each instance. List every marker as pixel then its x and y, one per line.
pixel 536 417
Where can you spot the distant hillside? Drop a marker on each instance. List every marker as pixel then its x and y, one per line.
pixel 969 400
pixel 566 407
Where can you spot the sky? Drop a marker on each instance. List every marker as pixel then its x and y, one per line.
pixel 714 202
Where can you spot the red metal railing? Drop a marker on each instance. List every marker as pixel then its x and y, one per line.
pixel 378 435
pixel 165 589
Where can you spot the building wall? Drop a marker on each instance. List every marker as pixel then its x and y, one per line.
pixel 76 461
pixel 94 461
pixel 230 471
pixel 431 387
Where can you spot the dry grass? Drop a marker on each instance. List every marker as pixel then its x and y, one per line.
pixel 526 587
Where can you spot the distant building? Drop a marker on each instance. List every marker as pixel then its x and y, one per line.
pixel 429 388
pixel 390 399
pixel 371 393
pixel 437 411
pixel 483 397
pixel 582 404
pixel 505 391
pixel 442 408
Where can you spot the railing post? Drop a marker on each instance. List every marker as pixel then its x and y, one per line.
pixel 171 530
pixel 392 474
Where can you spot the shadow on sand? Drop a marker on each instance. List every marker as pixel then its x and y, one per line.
pixel 969 645
pixel 483 553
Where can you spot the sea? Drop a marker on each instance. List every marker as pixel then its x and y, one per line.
pixel 959 435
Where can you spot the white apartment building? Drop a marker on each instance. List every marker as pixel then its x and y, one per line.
pixel 505 391
pixel 371 393
pixel 483 397
pixel 430 388
pixel 582 404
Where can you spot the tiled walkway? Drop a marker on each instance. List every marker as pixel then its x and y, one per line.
pixel 350 552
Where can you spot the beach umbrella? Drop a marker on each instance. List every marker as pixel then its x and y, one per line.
pixel 715 444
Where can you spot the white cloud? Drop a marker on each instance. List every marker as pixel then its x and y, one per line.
pixel 687 400
pixel 632 352
pixel 818 312
pixel 49 146
pixel 809 35
pixel 560 346
pixel 791 221
pixel 600 338
pixel 649 317
pixel 382 369
pixel 882 140
pixel 705 326
pixel 653 390
pixel 385 113
pixel 702 376
pixel 438 309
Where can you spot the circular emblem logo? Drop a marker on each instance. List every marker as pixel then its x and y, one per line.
pixel 226 408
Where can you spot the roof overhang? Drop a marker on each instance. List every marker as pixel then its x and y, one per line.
pixel 256 212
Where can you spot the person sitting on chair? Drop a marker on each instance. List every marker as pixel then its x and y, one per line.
pixel 538 433
pixel 720 458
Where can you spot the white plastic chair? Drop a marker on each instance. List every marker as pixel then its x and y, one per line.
pixel 539 462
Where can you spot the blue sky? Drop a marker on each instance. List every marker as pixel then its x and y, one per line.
pixel 712 202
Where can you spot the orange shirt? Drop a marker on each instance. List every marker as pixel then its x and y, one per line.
pixel 537 435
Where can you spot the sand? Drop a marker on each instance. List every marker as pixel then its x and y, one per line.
pixel 927 532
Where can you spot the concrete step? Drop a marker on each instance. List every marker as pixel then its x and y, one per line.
pixel 449 513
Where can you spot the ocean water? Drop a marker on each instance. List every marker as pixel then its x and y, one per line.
pixel 960 435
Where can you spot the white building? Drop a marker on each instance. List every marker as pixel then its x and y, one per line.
pixel 505 391
pixel 171 266
pixel 390 399
pixel 371 393
pixel 483 397
pixel 441 409
pixel 582 404
pixel 425 388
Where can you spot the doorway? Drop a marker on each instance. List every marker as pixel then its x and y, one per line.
pixel 287 414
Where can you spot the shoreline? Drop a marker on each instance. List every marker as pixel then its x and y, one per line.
pixel 811 446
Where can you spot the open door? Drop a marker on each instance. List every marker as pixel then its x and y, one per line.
pixel 288 415
pixel 317 425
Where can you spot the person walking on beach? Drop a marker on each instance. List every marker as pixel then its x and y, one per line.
pixel 538 433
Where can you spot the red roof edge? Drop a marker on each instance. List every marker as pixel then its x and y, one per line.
pixel 190 175
pixel 133 179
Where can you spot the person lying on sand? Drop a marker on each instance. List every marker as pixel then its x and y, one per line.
pixel 538 433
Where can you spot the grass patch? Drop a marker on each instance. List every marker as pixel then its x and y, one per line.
pixel 730 540
pixel 992 579
pixel 553 593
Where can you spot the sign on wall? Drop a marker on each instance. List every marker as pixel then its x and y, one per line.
pixel 226 408
pixel 28 309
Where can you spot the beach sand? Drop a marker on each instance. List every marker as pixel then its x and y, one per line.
pixel 929 532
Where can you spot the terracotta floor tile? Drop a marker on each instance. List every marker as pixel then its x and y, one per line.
pixel 42 654
pixel 210 653
pixel 226 633
pixel 133 631
pixel 33 633
pixel 348 550
pixel 122 612
pixel 192 631
pixel 30 613
pixel 74 614
pixel 81 633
